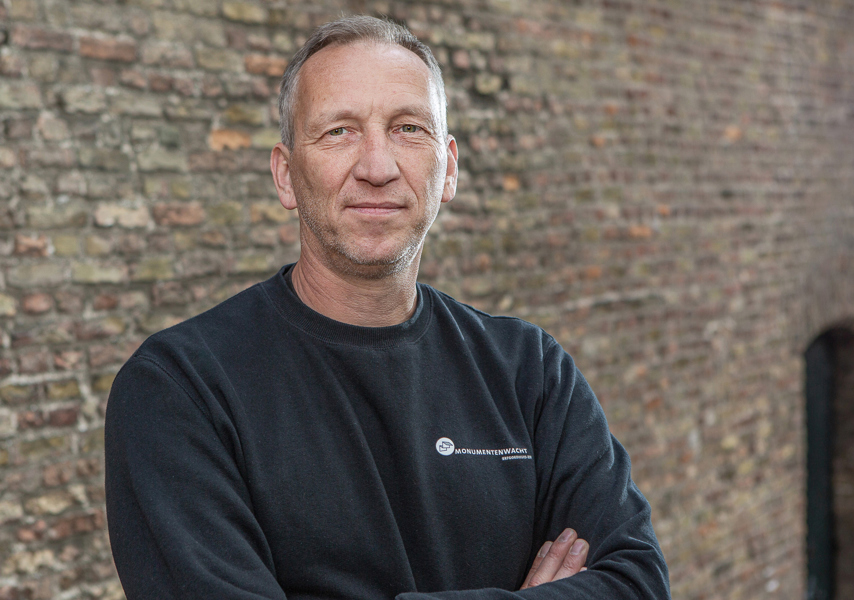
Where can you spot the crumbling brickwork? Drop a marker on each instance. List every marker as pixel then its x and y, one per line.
pixel 666 186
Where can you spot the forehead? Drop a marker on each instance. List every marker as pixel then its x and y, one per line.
pixel 364 72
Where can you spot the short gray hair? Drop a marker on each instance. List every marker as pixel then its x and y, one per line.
pixel 351 30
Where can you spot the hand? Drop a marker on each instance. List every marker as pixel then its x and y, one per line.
pixel 558 560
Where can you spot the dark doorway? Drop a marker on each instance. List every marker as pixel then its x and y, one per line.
pixel 830 465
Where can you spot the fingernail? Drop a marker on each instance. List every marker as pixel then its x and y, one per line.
pixel 544 550
pixel 564 537
pixel 577 547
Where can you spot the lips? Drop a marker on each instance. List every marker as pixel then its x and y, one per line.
pixel 375 208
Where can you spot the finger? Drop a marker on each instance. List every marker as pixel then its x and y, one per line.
pixel 554 558
pixel 574 560
pixel 537 560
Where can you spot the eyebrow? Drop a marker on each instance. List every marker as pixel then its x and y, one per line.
pixel 320 121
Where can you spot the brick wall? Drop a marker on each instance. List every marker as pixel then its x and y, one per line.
pixel 667 187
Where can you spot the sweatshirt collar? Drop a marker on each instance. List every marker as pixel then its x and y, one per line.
pixel 297 313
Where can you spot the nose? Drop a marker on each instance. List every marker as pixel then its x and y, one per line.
pixel 376 162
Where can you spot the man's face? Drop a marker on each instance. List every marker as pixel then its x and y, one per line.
pixel 370 164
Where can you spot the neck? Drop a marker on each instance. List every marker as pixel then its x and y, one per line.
pixel 356 300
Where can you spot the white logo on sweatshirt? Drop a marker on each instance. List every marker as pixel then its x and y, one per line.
pixel 445 446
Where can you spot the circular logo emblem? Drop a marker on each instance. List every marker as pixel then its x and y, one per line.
pixel 444 446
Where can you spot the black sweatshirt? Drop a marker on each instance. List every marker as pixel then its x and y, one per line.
pixel 262 450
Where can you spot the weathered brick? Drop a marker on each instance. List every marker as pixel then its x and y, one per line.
pixel 18 95
pixel 134 104
pixel 260 64
pixel 83 99
pixel 85 272
pixel 93 441
pixel 218 59
pixel 8 306
pixel 18 394
pixel 12 65
pixel 107 159
pixel 63 389
pixel 103 48
pixel 67 360
pixel 97 329
pixel 187 28
pixel 167 54
pixel 231 139
pixel 26 245
pixel 10 510
pixel 35 275
pixel 77 524
pixel 43 67
pixel 50 157
pixel 159 159
pixel 33 362
pixel 245 12
pixel 64 417
pixel 25 10
pixel 203 8
pixel 8 158
pixel 52 503
pixel 66 245
pixel 244 114
pixel 109 215
pixel 179 213
pixel 270 212
pixel 8 426
pixel 40 448
pixel 35 304
pixel 226 213
pixel 29 419
pixel 67 214
pixel 253 263
pixel 153 269
pixel 37 38
pixel 108 354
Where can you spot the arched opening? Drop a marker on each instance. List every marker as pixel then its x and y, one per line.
pixel 830 465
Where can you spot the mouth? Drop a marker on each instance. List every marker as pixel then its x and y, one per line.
pixel 376 208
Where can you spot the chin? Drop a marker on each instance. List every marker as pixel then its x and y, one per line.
pixel 377 265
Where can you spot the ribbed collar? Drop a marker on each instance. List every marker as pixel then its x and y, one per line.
pixel 281 292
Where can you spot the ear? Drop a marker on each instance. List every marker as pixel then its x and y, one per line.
pixel 280 166
pixel 451 172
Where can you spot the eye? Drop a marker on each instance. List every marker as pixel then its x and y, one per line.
pixel 410 128
pixel 337 131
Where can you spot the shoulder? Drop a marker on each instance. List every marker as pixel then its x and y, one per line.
pixel 510 333
pixel 228 328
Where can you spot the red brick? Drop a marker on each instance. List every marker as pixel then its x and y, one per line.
pixel 37 38
pixel 67 360
pixel 57 474
pixel 33 362
pixel 35 304
pixel 105 301
pixel 63 417
pixel 160 83
pixel 31 419
pixel 108 49
pixel 30 245
pixel 133 78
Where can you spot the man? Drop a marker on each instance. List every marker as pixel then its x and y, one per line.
pixel 340 431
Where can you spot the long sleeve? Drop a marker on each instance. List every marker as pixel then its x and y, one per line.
pixel 180 516
pixel 584 482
